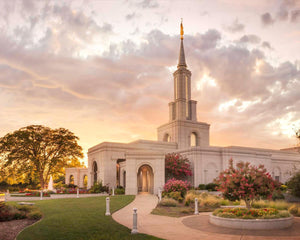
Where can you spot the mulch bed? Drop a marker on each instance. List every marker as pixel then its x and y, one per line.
pixel 10 229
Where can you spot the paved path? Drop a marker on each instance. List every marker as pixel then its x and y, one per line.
pixel 186 228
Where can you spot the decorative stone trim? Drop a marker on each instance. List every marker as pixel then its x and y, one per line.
pixel 251 224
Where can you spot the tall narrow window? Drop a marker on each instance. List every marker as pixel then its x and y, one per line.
pixel 71 179
pixel 193 139
pixel 95 171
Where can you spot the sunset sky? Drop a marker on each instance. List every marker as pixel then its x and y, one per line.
pixel 103 69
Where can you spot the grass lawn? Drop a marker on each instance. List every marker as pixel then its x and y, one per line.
pixel 82 218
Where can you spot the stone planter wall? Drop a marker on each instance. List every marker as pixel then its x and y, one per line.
pixel 251 224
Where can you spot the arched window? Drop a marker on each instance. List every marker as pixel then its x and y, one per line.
pixel 71 179
pixel 193 139
pixel 95 171
pixel 167 138
pixel 85 179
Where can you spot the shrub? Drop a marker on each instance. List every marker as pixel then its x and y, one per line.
pixel 224 202
pixel 211 186
pixel 246 182
pixel 277 195
pixel 35 215
pixel 210 202
pixel 283 188
pixel 176 196
pixel 293 209
pixel 283 214
pixel 177 166
pixel 119 191
pixel 280 205
pixel 201 186
pixel 294 185
pixel 174 185
pixel 168 202
pixel 98 188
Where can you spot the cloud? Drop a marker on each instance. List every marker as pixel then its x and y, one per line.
pixel 235 27
pixel 266 45
pixel 295 15
pixel 285 9
pixel 130 16
pixel 267 19
pixel 148 4
pixel 128 85
pixel 251 38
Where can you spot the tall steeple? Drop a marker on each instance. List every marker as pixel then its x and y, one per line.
pixel 181 60
pixel 183 127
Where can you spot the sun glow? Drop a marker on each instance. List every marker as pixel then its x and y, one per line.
pixel 285 125
pixel 206 80
pixel 226 105
pixel 258 65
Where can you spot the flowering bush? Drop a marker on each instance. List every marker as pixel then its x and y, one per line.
pixel 246 182
pixel 177 166
pixel 174 185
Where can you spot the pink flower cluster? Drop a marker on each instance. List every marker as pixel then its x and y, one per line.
pixel 174 185
pixel 177 166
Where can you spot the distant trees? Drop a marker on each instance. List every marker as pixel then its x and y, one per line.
pixel 35 152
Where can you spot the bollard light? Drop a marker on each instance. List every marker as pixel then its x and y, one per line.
pixel 113 191
pixel 196 207
pixel 107 213
pixel 5 197
pixel 77 192
pixel 134 224
pixel 159 194
pixel 41 195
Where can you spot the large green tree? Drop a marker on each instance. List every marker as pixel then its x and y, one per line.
pixel 36 152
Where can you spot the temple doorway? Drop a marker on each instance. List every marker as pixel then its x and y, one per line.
pixel 145 179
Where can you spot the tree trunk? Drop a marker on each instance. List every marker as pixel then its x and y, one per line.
pixel 41 180
pixel 248 205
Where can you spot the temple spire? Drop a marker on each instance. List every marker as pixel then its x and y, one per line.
pixel 181 61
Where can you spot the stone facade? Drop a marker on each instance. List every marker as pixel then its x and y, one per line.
pixel 139 166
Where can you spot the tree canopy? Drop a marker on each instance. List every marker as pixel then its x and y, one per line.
pixel 177 166
pixel 36 152
pixel 246 182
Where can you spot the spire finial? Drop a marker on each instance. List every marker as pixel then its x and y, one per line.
pixel 181 62
pixel 181 30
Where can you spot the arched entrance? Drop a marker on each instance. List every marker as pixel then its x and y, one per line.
pixel 145 178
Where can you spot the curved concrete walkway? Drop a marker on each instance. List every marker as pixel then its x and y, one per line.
pixel 174 228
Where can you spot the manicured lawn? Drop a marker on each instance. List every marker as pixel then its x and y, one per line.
pixel 82 218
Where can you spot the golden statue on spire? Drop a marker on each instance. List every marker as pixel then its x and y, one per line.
pixel 181 30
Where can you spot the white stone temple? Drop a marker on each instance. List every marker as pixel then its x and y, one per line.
pixel 139 166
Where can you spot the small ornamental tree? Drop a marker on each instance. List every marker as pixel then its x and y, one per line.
pixel 177 166
pixel 246 183
pixel 175 185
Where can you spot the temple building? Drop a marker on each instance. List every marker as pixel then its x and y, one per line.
pixel 139 166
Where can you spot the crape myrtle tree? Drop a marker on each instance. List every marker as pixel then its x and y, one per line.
pixel 37 152
pixel 246 182
pixel 177 166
